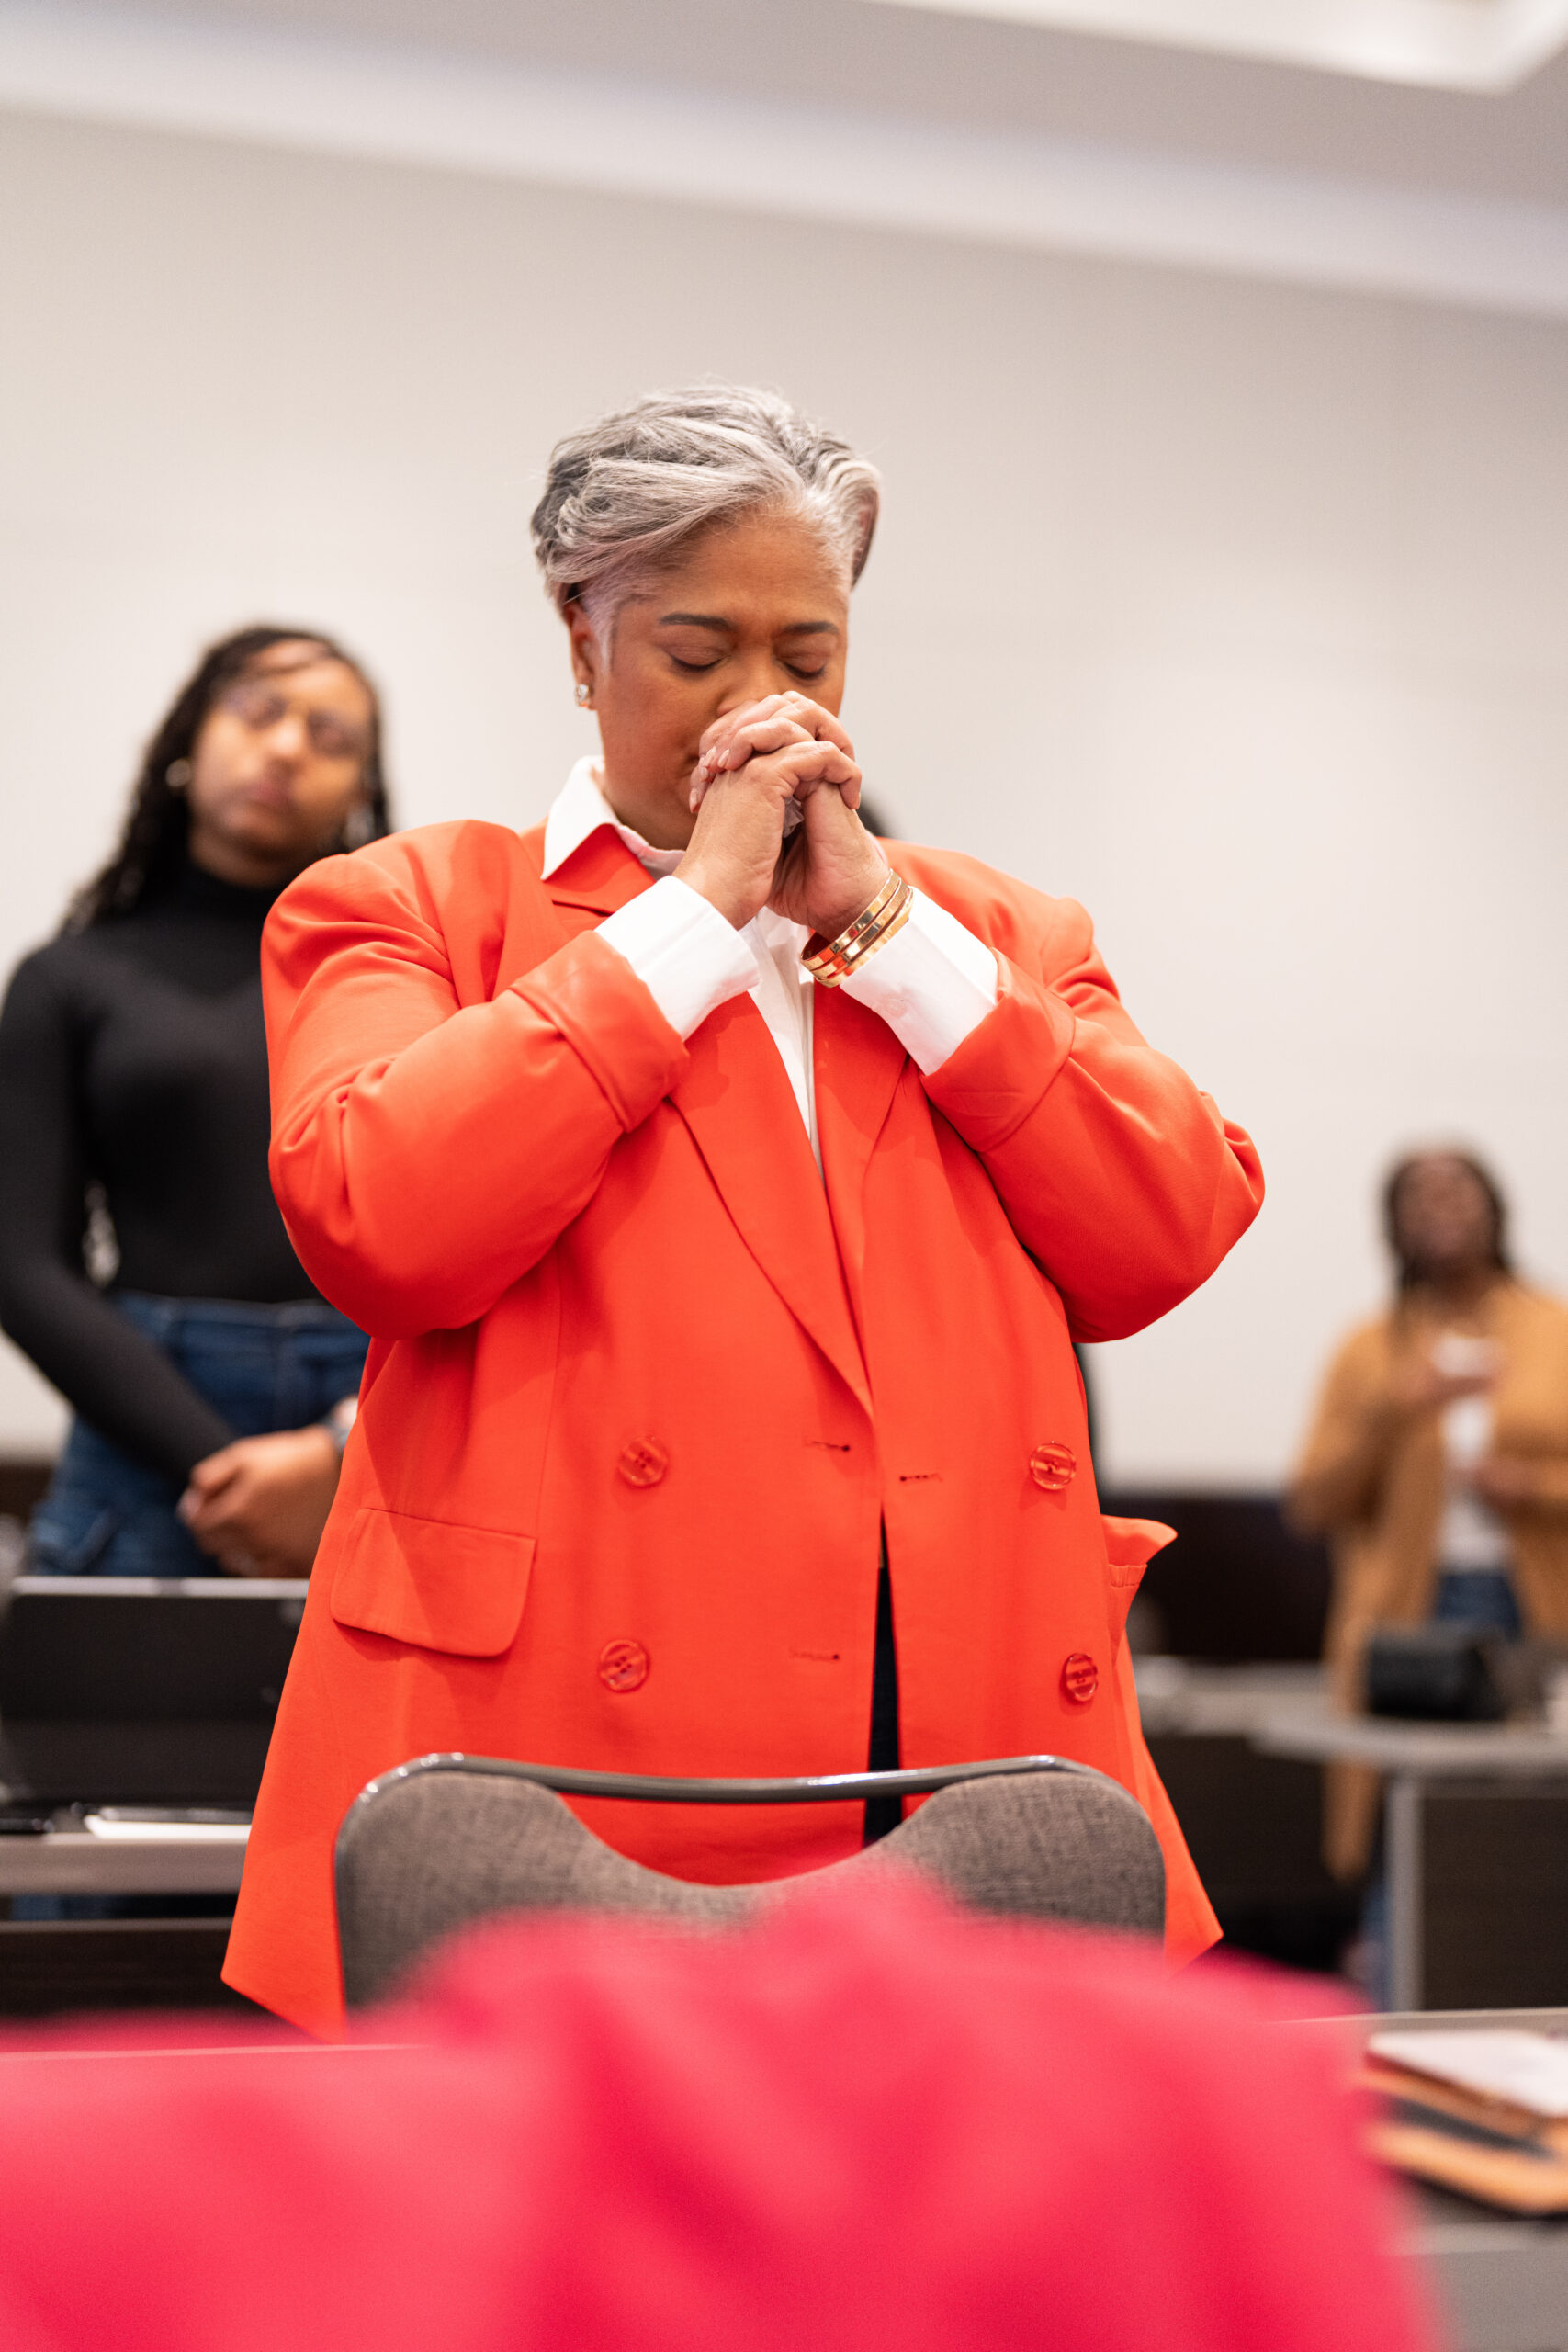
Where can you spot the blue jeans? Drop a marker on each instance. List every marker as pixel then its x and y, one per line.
pixel 1483 1598
pixel 264 1368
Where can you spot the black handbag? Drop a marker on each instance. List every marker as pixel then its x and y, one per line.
pixel 1447 1674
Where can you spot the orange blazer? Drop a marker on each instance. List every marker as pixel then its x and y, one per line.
pixel 645 1389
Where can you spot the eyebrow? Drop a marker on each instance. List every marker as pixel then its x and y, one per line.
pixel 715 620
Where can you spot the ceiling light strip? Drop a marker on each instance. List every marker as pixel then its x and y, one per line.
pixel 1482 45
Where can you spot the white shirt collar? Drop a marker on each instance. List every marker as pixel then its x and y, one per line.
pixel 578 812
pixel 579 809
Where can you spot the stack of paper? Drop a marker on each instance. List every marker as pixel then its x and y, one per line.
pixel 1483 2110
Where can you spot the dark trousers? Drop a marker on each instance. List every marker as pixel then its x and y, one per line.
pixel 882 1813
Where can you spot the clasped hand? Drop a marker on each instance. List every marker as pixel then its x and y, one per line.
pixel 757 764
pixel 259 1505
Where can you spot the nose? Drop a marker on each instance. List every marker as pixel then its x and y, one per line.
pixel 749 679
pixel 287 738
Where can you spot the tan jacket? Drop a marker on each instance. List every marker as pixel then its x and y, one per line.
pixel 1371 1479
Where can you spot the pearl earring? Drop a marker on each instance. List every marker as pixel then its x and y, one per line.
pixel 583 692
pixel 176 775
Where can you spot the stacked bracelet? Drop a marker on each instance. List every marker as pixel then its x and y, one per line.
pixel 830 961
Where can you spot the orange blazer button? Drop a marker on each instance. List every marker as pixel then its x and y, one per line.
pixel 644 1462
pixel 1051 1466
pixel 1080 1677
pixel 623 1666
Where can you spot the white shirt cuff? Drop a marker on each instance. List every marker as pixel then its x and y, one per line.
pixel 682 951
pixel 932 983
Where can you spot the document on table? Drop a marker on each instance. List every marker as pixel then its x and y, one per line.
pixel 1524 2070
pixel 1480 2110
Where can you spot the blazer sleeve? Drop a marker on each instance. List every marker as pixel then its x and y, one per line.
pixel 1340 1473
pixel 1119 1177
pixel 427 1151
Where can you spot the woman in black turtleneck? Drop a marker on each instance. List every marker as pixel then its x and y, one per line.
pixel 212 1386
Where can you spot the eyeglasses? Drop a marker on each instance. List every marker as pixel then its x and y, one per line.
pixel 261 705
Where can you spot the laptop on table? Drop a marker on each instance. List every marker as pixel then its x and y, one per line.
pixel 135 1692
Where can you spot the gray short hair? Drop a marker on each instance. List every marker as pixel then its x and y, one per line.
pixel 623 495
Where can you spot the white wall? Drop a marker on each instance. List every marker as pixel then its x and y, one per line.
pixel 1239 612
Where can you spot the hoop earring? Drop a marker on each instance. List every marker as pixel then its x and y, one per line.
pixel 177 774
pixel 584 696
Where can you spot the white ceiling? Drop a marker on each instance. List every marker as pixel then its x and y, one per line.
pixel 918 66
pixel 1453 44
pixel 890 113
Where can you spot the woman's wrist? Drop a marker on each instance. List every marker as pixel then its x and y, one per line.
pixel 832 961
pixel 724 890
pixel 868 884
pixel 337 1424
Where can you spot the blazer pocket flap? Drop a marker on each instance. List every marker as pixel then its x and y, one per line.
pixel 459 1589
pixel 1131 1544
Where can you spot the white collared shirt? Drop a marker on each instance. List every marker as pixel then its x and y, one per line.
pixel 932 983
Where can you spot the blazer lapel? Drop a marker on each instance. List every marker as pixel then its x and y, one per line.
pixel 741 1110
pixel 736 1100
pixel 859 1063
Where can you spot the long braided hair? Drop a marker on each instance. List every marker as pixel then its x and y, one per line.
pixel 152 838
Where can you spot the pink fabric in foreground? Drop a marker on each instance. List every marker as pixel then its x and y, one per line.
pixel 868 2121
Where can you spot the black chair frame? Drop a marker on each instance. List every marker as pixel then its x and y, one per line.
pixel 643 1788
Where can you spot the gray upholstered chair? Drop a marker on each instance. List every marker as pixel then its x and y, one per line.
pixel 449 1839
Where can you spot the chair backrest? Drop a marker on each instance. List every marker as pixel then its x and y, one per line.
pixel 446 1840
pixel 1040 1846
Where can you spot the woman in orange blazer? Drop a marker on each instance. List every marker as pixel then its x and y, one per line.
pixel 723 1193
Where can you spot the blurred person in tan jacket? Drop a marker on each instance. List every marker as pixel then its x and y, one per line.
pixel 1437 1463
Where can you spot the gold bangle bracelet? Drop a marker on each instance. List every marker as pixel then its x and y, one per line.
pixel 870 940
pixel 819 954
pixel 850 951
pixel 898 917
pixel 830 961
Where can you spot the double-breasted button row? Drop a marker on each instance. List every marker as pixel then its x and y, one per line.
pixel 1051 1465
pixel 643 1462
pixel 625 1666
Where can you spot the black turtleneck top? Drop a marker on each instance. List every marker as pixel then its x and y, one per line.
pixel 133 1058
